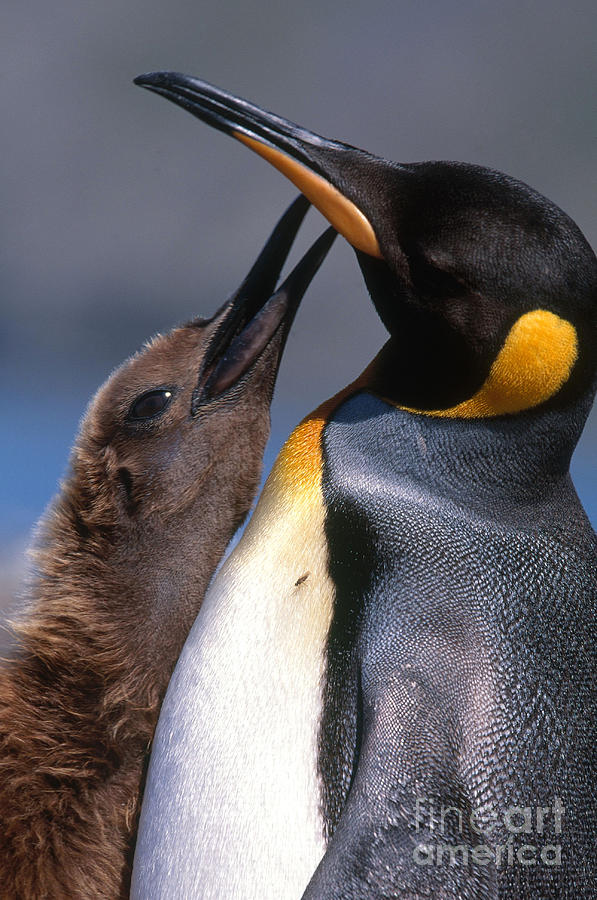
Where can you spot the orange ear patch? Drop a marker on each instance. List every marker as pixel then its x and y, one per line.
pixel 533 364
pixel 347 219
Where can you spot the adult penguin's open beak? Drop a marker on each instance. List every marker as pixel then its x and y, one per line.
pixel 338 179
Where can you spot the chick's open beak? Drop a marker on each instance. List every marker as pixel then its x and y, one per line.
pixel 253 317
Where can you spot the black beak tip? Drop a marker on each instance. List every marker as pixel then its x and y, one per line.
pixel 146 80
pixel 157 80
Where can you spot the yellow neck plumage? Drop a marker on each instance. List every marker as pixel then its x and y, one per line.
pixel 534 363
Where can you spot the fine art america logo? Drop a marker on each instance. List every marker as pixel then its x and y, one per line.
pixel 529 835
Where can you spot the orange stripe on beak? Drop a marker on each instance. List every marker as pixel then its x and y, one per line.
pixel 340 212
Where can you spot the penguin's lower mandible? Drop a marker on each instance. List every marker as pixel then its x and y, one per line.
pixel 163 471
pixel 389 691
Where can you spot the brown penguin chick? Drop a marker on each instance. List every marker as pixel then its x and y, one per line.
pixel 163 472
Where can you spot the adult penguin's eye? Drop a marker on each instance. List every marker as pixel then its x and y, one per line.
pixel 149 405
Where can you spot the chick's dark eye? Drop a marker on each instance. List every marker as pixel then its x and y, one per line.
pixel 150 404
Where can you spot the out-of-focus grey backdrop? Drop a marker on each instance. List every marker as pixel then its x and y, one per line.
pixel 121 215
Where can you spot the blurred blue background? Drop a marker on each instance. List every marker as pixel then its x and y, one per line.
pixel 122 216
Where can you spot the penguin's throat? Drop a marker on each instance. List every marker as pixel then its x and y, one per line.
pixel 475 452
pixel 507 464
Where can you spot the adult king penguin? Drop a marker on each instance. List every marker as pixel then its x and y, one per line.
pixel 163 472
pixel 389 690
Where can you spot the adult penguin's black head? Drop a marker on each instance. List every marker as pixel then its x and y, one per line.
pixel 488 290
